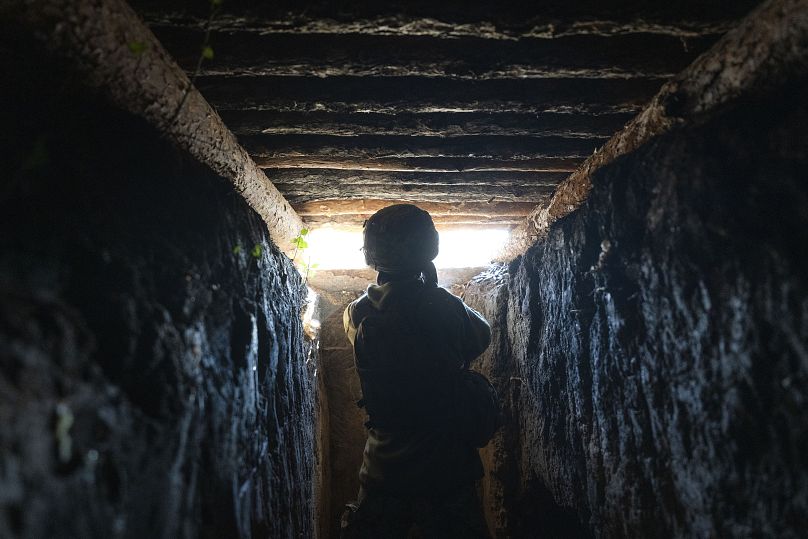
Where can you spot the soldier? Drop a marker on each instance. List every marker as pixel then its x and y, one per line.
pixel 412 342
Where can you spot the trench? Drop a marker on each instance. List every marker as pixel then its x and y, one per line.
pixel 167 371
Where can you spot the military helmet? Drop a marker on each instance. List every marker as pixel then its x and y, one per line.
pixel 400 238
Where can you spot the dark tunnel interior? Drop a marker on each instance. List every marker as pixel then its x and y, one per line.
pixel 172 366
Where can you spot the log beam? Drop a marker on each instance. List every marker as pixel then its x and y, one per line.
pixel 355 212
pixel 396 95
pixel 256 122
pixel 328 55
pixel 303 185
pixel 312 177
pixel 458 19
pixel 402 25
pixel 421 164
pixel 370 146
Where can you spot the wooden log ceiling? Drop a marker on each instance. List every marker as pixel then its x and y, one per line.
pixel 475 110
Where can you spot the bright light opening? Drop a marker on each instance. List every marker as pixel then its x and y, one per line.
pixel 330 248
pixel 470 248
pixel 311 326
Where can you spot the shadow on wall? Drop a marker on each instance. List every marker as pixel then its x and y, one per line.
pixel 654 345
pixel 152 362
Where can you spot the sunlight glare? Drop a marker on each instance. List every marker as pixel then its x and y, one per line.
pixel 459 248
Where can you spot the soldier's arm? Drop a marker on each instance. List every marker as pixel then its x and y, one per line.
pixel 455 327
pixel 355 312
pixel 477 335
pixel 350 329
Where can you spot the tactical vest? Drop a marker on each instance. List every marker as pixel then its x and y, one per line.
pixel 407 385
pixel 404 386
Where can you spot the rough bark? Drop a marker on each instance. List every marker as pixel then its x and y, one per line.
pixel 401 25
pixel 355 212
pixel 436 125
pixel 301 185
pixel 423 164
pixel 467 18
pixel 371 146
pixel 652 348
pixel 303 177
pixel 426 94
pixel 154 379
pixel 328 55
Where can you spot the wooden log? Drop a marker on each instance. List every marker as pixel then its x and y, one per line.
pixel 317 184
pixel 396 179
pixel 421 193
pixel 255 122
pixel 107 45
pixel 370 146
pixel 396 95
pixel 354 212
pixel 297 194
pixel 770 46
pixel 342 222
pixel 436 210
pixel 681 25
pixel 328 55
pixel 422 164
pixel 456 19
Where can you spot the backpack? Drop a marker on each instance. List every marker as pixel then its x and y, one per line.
pixel 477 415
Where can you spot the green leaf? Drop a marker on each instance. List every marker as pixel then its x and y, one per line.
pixel 304 231
pixel 216 3
pixel 137 47
pixel 300 243
pixel 237 250
pixel 207 52
pixel 257 250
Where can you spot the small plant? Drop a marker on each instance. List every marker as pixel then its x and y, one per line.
pixel 255 252
pixel 137 47
pixel 206 53
pixel 311 269
pixel 307 268
pixel 300 242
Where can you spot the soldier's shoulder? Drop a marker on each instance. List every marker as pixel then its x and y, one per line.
pixel 358 309
pixel 439 298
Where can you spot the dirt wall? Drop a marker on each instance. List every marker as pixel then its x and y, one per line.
pixel 154 376
pixel 651 352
